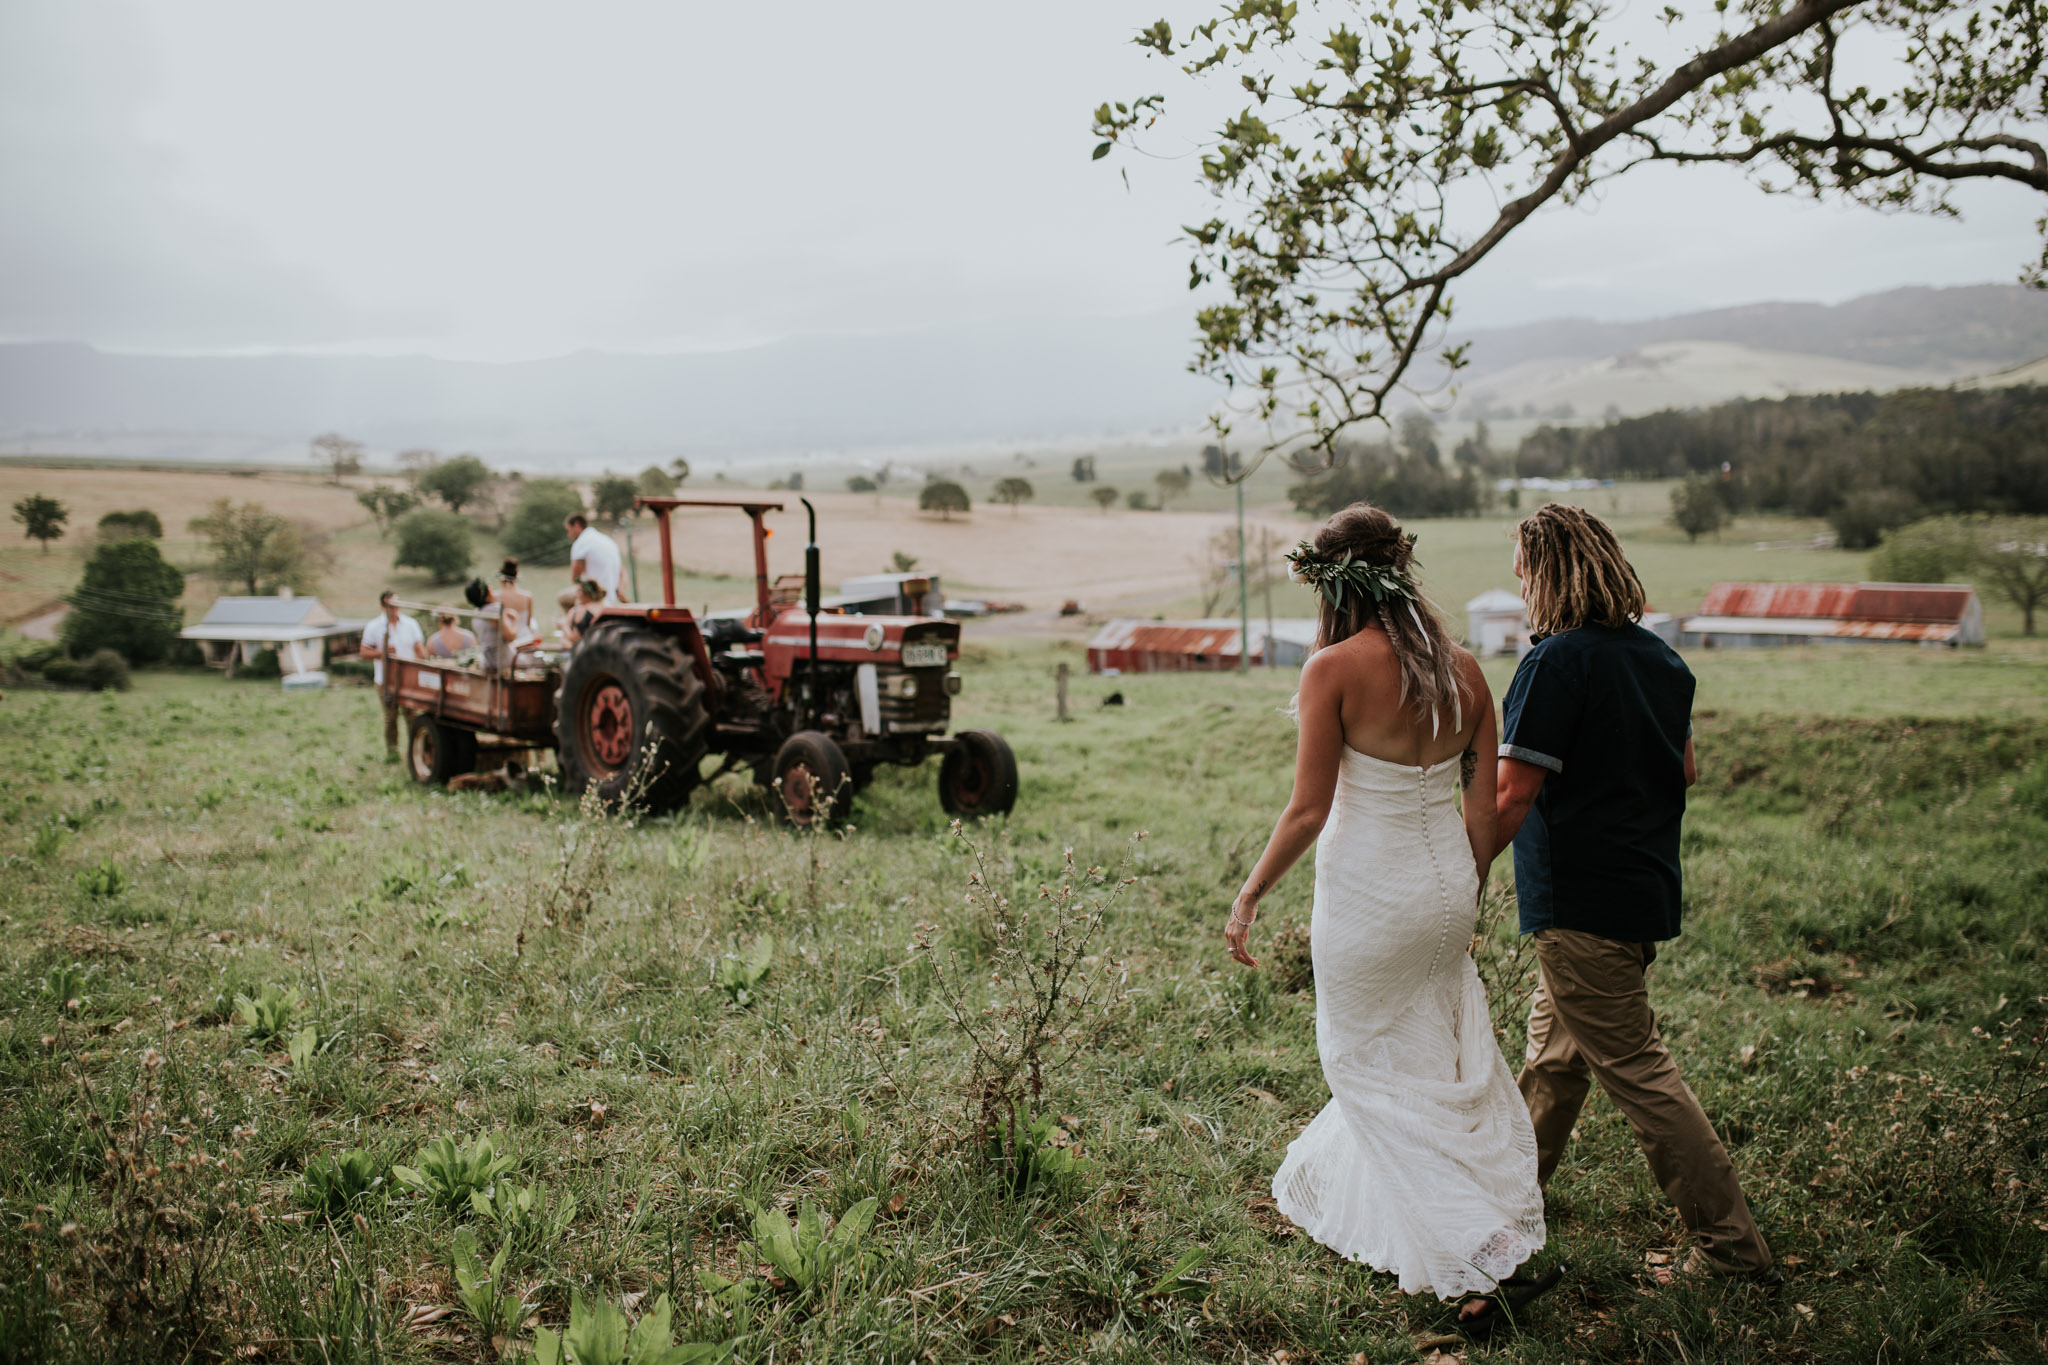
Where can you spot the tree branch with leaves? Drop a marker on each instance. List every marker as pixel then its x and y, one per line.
pixel 1381 158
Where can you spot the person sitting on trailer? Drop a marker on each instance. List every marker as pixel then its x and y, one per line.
pixel 517 604
pixel 592 554
pixel 589 606
pixel 450 640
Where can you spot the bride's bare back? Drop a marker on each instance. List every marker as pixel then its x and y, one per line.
pixel 1362 678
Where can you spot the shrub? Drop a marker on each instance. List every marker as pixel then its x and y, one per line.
pixel 1050 995
pixel 137 525
pixel 1930 551
pixel 861 483
pixel 436 541
pixel 107 671
pixel 127 603
pixel 535 532
pixel 1863 517
pixel 264 665
pixel 65 672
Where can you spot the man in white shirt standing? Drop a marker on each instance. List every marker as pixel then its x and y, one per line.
pixel 592 554
pixel 393 635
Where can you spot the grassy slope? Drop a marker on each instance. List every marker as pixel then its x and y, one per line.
pixel 261 840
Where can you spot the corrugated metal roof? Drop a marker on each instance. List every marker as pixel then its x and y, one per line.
pixel 268 611
pixel 1868 602
pixel 1165 637
pixel 1823 627
pixel 1214 636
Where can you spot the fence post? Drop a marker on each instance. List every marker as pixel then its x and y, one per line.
pixel 1061 683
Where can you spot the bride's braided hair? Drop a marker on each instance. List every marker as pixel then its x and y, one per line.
pixel 1422 647
pixel 1574 573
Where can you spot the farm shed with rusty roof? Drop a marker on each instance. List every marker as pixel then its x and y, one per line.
pixel 1137 645
pixel 1751 614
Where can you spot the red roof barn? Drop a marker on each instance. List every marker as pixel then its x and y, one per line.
pixel 1793 613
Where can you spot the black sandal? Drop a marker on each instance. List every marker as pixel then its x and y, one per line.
pixel 1509 1298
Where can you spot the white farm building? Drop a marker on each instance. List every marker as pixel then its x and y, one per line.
pixel 237 629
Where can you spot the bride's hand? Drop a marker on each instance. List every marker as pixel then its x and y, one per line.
pixel 1238 931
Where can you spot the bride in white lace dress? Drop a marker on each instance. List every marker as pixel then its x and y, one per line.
pixel 1423 1164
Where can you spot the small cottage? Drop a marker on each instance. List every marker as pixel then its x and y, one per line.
pixel 1497 622
pixel 236 629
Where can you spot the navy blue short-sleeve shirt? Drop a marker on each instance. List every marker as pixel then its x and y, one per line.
pixel 1607 712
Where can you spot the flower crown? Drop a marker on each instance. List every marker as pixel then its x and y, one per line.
pixel 1332 577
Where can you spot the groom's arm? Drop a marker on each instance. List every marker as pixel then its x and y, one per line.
pixel 1517 784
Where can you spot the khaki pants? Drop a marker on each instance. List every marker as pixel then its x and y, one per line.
pixel 391 710
pixel 1590 1019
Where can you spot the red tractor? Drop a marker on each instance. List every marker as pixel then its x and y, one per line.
pixel 814 699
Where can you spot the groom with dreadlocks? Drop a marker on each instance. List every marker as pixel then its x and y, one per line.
pixel 1595 758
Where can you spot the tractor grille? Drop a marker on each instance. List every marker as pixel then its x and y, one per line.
pixel 930 709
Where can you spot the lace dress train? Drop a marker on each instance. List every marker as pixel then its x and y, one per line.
pixel 1423 1164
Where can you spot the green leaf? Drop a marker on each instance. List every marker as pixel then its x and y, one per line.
pixel 855 1221
pixel 651 1336
pixel 547 1348
pixel 1101 151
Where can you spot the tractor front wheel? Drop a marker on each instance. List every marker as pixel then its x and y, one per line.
pixel 816 785
pixel 630 718
pixel 978 776
pixel 435 752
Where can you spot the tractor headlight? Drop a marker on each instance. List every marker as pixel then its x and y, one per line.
pixel 952 684
pixel 902 686
pixel 872 636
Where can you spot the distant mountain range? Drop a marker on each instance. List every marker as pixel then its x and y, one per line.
pixel 1023 383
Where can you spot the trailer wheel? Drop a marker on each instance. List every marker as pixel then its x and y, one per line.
pixel 435 752
pixel 630 702
pixel 817 785
pixel 978 776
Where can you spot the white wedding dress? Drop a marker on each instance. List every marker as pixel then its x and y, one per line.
pixel 1423 1164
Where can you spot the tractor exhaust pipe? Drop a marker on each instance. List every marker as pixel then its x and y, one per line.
pixel 813 599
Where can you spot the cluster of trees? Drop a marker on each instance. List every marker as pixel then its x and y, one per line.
pixel 1867 462
pixel 1408 475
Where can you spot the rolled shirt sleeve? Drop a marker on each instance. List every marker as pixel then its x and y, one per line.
pixel 1541 713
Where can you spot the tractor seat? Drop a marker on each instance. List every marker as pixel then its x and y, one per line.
pixel 722 631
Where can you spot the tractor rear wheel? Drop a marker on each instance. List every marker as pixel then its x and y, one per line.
pixel 978 776
pixel 817 784
pixel 630 718
pixel 435 752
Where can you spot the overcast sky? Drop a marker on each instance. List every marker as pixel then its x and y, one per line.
pixel 505 179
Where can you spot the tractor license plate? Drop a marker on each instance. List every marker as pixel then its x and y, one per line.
pixel 924 656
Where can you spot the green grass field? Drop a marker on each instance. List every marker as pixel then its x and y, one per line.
pixel 1854 1000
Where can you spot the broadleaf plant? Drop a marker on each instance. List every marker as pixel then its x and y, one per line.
pixel 449 1174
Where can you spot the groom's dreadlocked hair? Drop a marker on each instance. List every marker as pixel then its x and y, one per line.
pixel 1574 573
